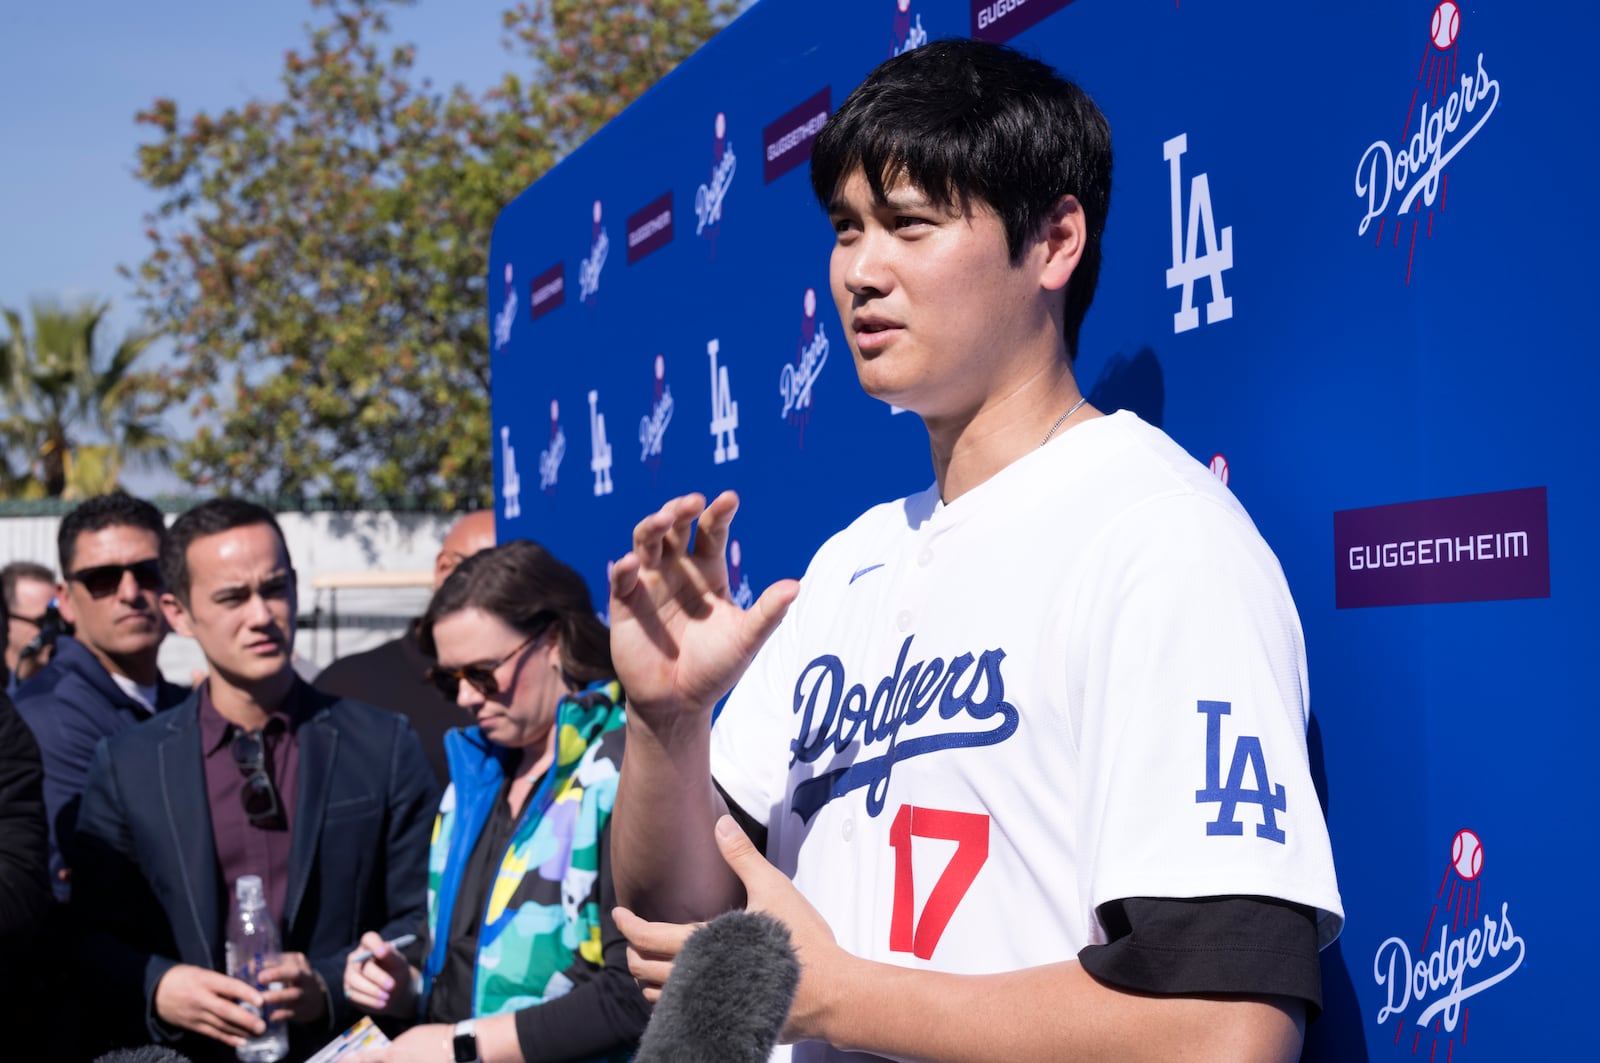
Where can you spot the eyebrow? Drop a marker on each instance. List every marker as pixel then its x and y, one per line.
pixel 238 588
pixel 902 199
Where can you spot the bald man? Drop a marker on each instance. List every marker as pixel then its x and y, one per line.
pixel 393 676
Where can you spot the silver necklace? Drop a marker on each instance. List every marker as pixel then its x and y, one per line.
pixel 1060 420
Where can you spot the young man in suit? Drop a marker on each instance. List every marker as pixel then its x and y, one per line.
pixel 328 800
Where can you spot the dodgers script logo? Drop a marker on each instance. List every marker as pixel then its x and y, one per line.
pixel 738 582
pixel 709 196
pixel 1475 948
pixel 1189 264
pixel 968 692
pixel 1448 107
pixel 589 269
pixel 599 449
pixel 653 425
pixel 510 482
pixel 795 381
pixel 507 315
pixel 908 31
pixel 550 457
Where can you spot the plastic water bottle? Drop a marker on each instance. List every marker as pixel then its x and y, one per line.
pixel 252 945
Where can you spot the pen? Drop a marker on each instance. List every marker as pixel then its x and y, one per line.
pixel 363 955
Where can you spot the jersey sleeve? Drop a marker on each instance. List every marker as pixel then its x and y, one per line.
pixel 1189 701
pixel 751 736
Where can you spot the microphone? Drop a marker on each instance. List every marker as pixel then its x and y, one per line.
pixel 728 994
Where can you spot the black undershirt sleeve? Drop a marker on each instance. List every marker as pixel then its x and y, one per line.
pixel 749 824
pixel 1249 946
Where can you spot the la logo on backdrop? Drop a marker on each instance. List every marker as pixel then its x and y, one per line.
pixel 1451 100
pixel 1468 946
pixel 653 425
pixel 908 32
pixel 550 457
pixel 595 261
pixel 1192 261
pixel 795 380
pixel 709 197
pixel 510 482
pixel 599 449
pixel 507 316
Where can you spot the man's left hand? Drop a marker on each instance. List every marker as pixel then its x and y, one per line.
pixel 302 998
pixel 653 946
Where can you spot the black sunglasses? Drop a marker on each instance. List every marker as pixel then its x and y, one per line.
pixel 103 580
pixel 481 677
pixel 259 797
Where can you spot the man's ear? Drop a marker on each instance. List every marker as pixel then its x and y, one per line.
pixel 1065 232
pixel 177 616
pixel 64 604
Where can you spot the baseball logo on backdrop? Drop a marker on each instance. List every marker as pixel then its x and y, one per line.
pixel 738 582
pixel 599 449
pixel 1468 946
pixel 907 32
pixel 510 482
pixel 589 269
pixel 1193 260
pixel 507 315
pixel 795 380
pixel 653 425
pixel 724 410
pixel 709 197
pixel 550 457
pixel 1453 98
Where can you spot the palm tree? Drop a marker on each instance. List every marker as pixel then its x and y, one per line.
pixel 72 417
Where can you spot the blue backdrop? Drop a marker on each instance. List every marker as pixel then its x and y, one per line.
pixel 1379 210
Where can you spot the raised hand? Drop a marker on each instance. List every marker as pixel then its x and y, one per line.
pixel 677 639
pixel 208 1003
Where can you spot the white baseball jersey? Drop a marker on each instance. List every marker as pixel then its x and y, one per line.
pixel 1082 681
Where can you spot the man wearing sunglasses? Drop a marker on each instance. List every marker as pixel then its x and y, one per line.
pixel 29 589
pixel 102 679
pixel 327 800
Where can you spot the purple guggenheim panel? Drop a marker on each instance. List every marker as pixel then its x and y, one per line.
pixel 1001 20
pixel 1471 548
pixel 786 143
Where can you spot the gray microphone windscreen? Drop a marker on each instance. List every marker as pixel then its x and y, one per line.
pixel 728 994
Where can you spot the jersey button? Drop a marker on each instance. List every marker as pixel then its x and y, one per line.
pixel 847 830
pixel 904 620
pixel 926 557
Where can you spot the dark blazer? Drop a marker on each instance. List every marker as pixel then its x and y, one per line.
pixel 70 705
pixel 147 890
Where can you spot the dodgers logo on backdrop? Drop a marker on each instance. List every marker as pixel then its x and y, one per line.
pixel 1189 262
pixel 1468 946
pixel 724 411
pixel 510 482
pixel 738 582
pixel 550 457
pixel 968 691
pixel 795 380
pixel 908 32
pixel 708 198
pixel 1452 99
pixel 653 425
pixel 507 315
pixel 599 449
pixel 589 269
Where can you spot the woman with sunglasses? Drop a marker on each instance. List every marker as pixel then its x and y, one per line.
pixel 523 961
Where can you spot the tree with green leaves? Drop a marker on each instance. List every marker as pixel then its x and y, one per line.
pixel 319 259
pixel 74 416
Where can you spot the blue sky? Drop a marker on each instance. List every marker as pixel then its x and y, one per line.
pixel 72 76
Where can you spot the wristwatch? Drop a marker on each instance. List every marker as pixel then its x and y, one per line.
pixel 465 1042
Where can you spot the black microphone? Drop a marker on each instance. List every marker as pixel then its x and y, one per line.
pixel 728 994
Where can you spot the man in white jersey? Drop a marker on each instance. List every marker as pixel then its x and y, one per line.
pixel 1025 752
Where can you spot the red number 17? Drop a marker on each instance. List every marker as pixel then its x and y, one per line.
pixel 970 832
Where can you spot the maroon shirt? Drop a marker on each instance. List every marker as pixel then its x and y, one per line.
pixel 242 847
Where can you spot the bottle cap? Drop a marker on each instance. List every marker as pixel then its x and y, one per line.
pixel 247 890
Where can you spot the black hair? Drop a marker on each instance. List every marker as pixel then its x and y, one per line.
pixel 18 571
pixel 529 589
pixel 966 120
pixel 208 518
pixel 115 510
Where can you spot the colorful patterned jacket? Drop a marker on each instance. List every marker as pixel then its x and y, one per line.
pixel 543 917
